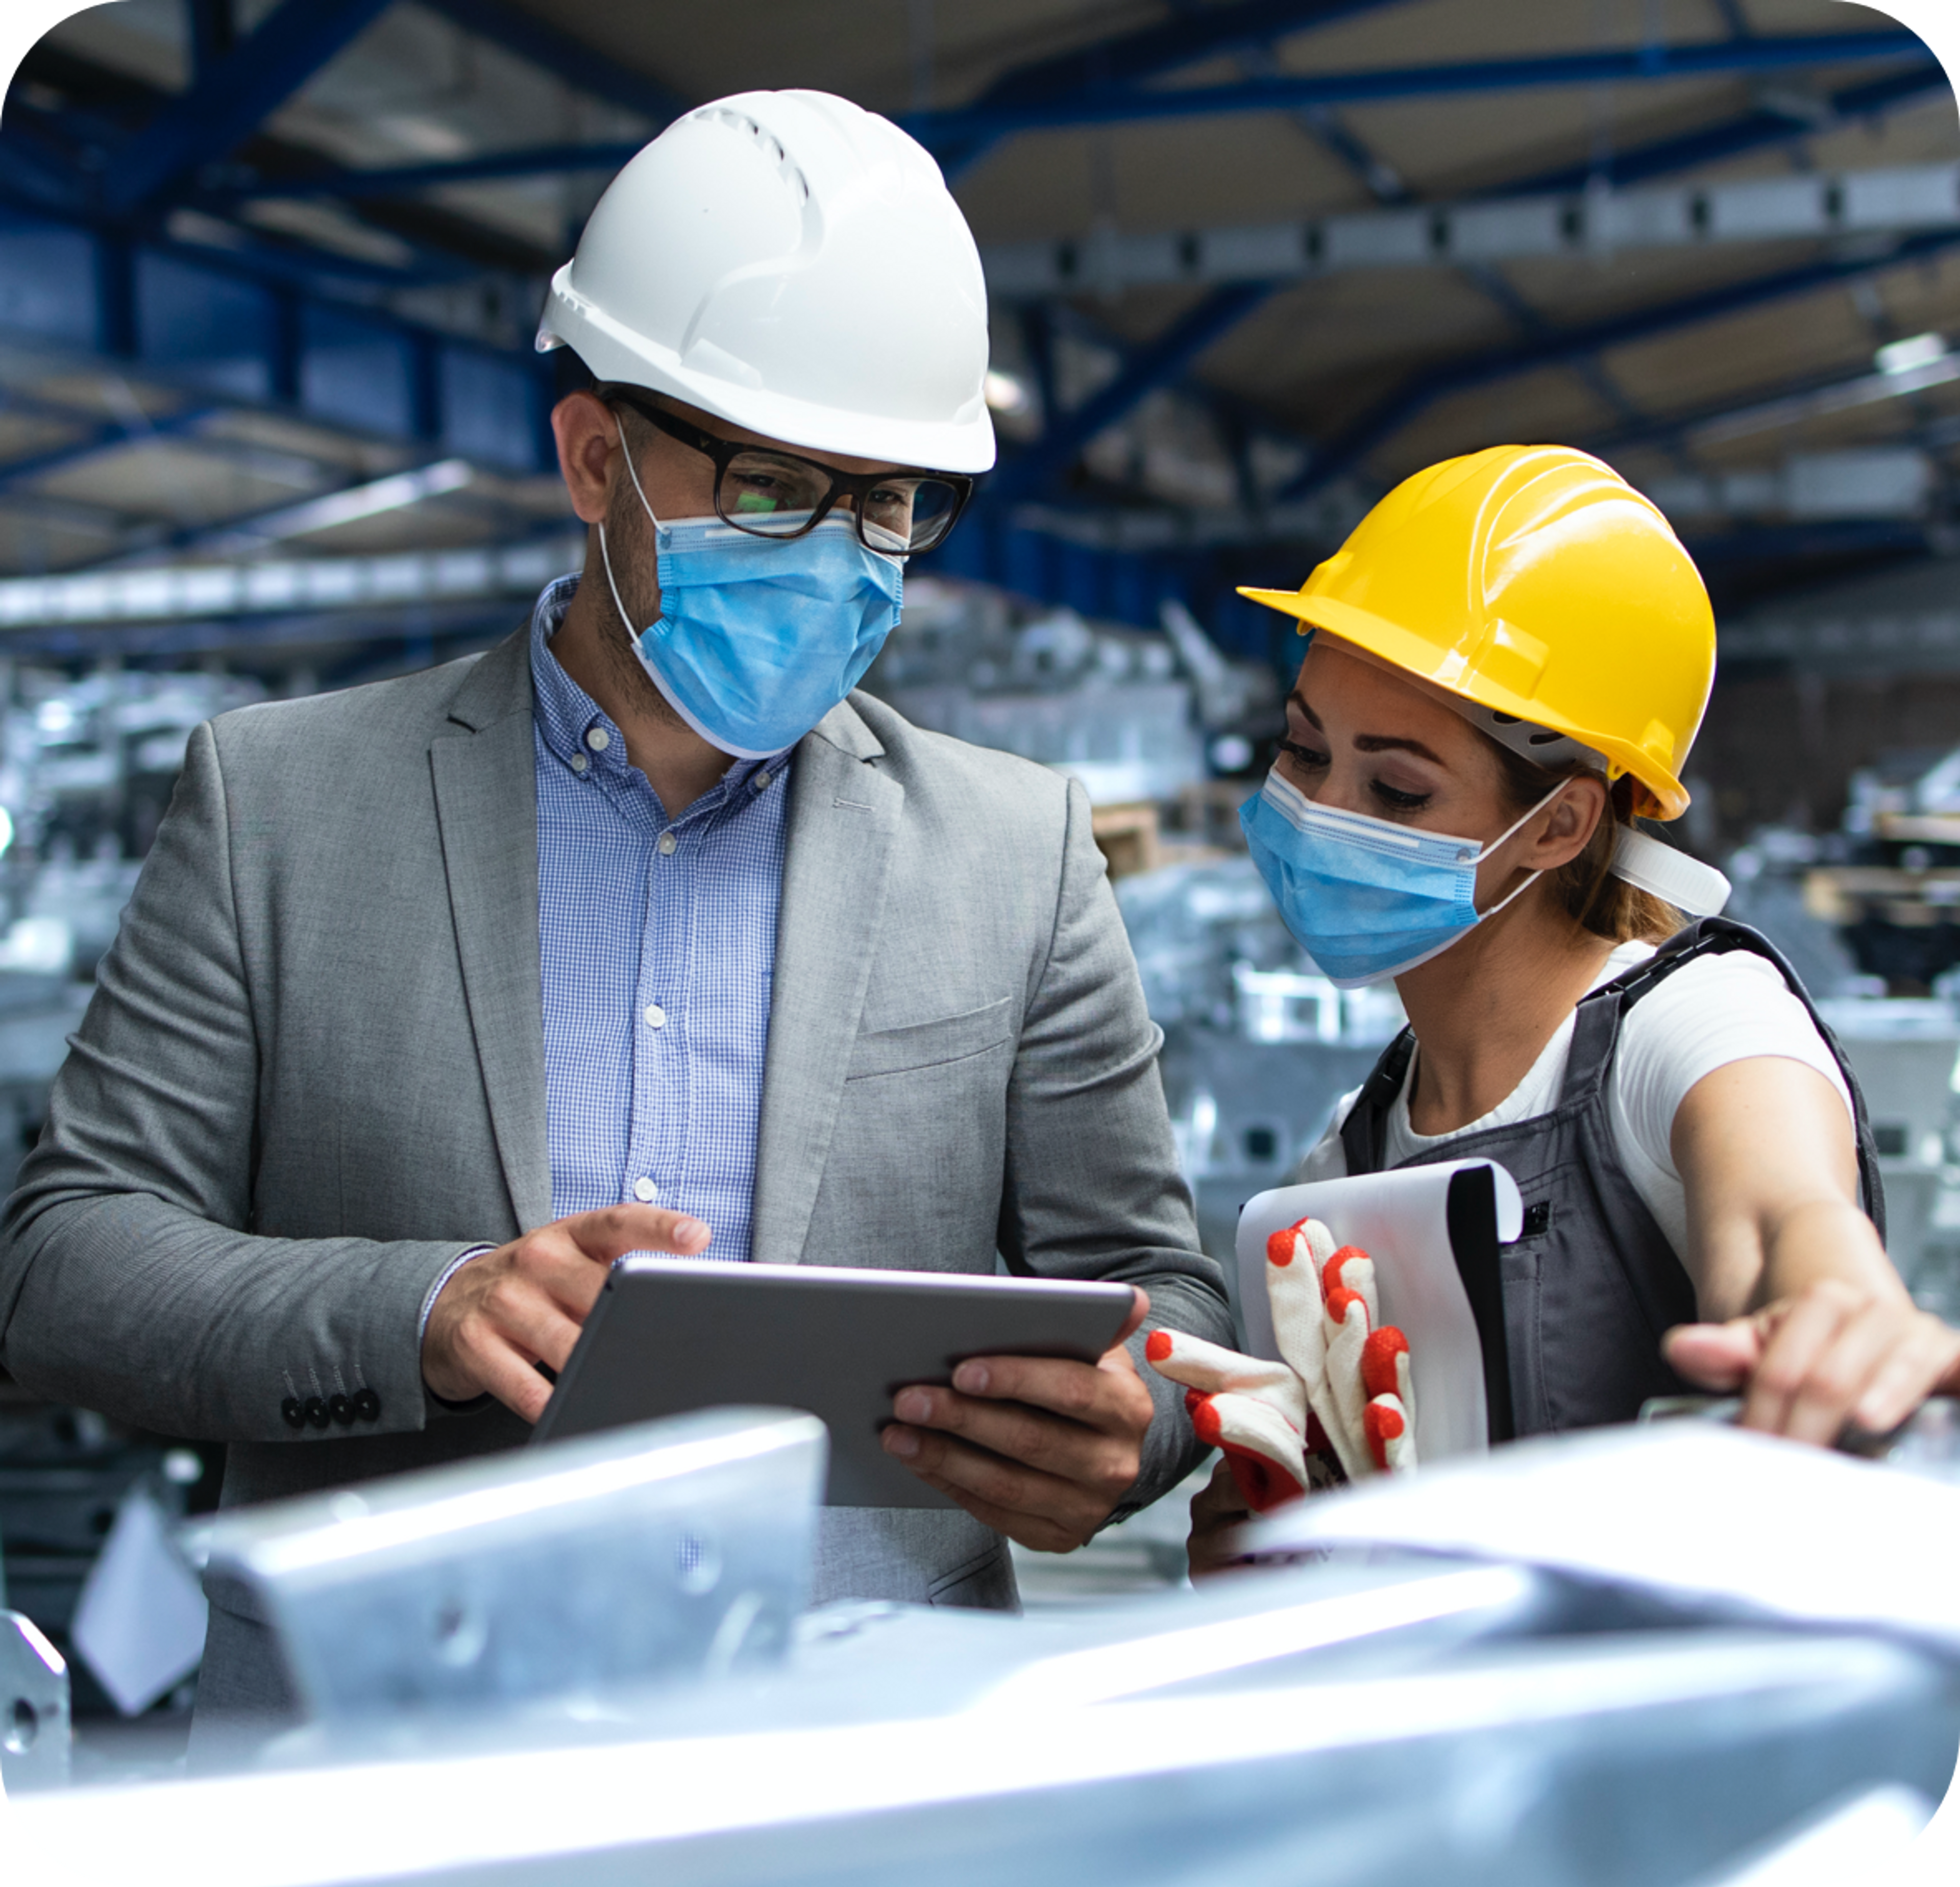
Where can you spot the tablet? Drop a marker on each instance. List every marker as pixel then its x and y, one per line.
pixel 668 1335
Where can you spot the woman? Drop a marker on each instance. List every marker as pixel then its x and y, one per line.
pixel 1507 664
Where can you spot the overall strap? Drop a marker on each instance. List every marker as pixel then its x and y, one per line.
pixel 1597 1017
pixel 1364 1133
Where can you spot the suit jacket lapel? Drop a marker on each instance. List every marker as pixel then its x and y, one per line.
pixel 484 770
pixel 843 815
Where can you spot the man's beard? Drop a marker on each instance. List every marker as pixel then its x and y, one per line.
pixel 635 559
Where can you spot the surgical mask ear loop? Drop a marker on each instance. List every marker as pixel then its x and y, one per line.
pixel 604 552
pixel 1511 897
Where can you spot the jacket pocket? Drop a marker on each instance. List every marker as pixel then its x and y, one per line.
pixel 925 1045
pixel 984 1582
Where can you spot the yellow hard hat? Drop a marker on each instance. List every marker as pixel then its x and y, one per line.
pixel 1534 581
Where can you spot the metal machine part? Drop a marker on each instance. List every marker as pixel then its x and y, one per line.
pixel 34 1722
pixel 645 1554
pixel 1530 1765
pixel 1927 1442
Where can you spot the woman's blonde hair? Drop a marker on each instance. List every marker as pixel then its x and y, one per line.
pixel 1585 887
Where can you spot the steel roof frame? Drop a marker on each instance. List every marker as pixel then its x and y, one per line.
pixel 955 136
pixel 1290 92
pixel 1559 346
pixel 1102 84
pixel 232 98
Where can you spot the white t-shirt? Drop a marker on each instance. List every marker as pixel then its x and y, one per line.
pixel 1720 1008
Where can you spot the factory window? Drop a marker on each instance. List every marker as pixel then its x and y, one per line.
pixel 1262 1145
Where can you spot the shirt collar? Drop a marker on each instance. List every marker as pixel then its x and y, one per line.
pixel 568 718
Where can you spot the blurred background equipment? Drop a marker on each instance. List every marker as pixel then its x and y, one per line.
pixel 271 422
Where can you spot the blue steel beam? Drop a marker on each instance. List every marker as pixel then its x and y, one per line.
pixel 568 59
pixel 1738 137
pixel 1570 346
pixel 957 136
pixel 1162 360
pixel 213 324
pixel 960 129
pixel 224 106
pixel 405 179
pixel 213 32
pixel 1195 33
pixel 98 436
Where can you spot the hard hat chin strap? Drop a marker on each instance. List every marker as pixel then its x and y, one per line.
pixel 1649 864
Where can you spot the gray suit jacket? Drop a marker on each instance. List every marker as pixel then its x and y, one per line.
pixel 313 1072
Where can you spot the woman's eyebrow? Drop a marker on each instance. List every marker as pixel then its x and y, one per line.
pixel 1371 742
pixel 1388 743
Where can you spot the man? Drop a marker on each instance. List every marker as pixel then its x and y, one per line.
pixel 437 996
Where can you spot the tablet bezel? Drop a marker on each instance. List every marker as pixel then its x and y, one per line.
pixel 658 1342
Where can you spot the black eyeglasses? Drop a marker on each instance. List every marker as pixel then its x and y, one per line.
pixel 772 494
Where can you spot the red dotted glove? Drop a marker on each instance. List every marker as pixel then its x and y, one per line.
pixel 1253 1410
pixel 1342 1391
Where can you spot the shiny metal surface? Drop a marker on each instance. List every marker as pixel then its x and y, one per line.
pixel 621 1560
pixel 34 1722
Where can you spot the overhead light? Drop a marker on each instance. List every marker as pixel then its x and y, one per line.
pixel 1006 393
pixel 1902 357
pixel 394 493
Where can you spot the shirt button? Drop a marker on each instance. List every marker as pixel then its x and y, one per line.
pixel 760 783
pixel 645 1191
pixel 598 740
pixel 657 1017
pixel 669 845
pixel 579 763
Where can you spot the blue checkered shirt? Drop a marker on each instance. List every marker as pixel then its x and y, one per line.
pixel 658 939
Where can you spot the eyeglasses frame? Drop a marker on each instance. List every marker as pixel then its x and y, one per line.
pixel 853 485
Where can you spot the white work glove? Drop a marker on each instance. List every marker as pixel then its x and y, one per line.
pixel 1343 1389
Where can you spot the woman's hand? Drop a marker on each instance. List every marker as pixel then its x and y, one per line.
pixel 1831 1357
pixel 1217 1511
pixel 1806 1315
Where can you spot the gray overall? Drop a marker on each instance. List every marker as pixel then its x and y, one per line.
pixel 1571 1314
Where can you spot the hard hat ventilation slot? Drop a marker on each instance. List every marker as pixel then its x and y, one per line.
pixel 771 148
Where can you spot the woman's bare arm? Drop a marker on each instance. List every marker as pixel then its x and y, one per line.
pixel 1805 1313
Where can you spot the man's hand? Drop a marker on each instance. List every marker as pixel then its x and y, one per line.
pixel 1833 1356
pixel 1040 1449
pixel 505 1312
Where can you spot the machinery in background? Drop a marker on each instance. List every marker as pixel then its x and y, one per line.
pixel 1889 879
pixel 86 769
pixel 1258 1045
pixel 1137 716
pixel 1802 891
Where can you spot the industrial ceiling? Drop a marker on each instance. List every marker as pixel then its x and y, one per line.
pixel 268 273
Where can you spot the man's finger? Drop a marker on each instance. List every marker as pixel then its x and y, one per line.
pixel 1103 1395
pixel 614 1231
pixel 529 1321
pixel 510 1377
pixel 1017 1434
pixel 1003 1484
pixel 1139 1308
pixel 1034 1530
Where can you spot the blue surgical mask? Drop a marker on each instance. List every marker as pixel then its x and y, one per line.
pixel 758 639
pixel 1366 898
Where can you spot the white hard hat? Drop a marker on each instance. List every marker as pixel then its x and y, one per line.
pixel 796 265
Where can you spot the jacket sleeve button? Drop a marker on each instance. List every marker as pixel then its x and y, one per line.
pixel 316 1412
pixel 340 1408
pixel 293 1410
pixel 367 1405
